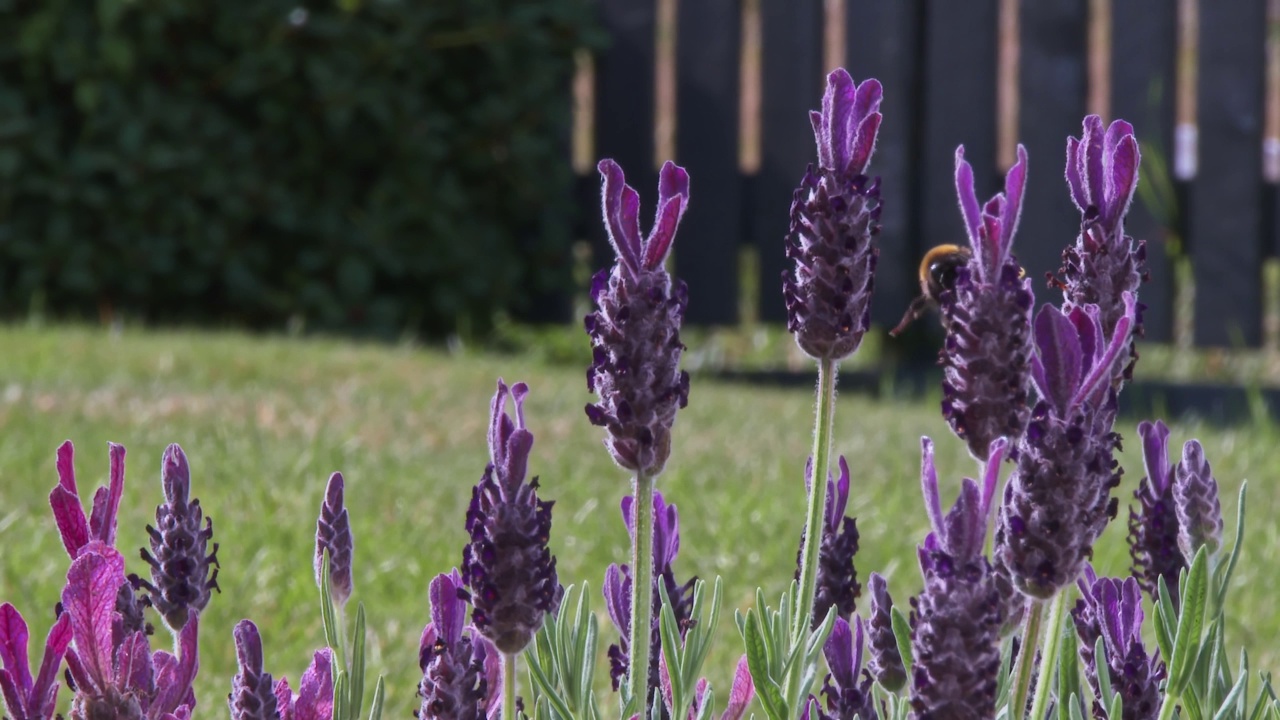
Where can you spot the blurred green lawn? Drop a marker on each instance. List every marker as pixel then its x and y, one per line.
pixel 265 420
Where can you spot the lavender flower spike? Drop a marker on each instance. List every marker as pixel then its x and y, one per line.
pixel 22 696
pixel 987 317
pixel 252 693
pixel 333 534
pixel 1058 500
pixel 955 621
pixel 835 213
pixel 180 560
pixel 837 577
pixel 1196 496
pixel 507 565
pixel 885 663
pixel 635 332
pixel 1104 263
pixel 461 673
pixel 1153 528
pixel 1111 609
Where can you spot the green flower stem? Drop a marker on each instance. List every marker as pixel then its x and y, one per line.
pixel 1169 706
pixel 1026 658
pixel 823 421
pixel 508 686
pixel 1049 656
pixel 641 593
pixel 817 498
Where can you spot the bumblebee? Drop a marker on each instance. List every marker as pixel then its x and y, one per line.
pixel 937 273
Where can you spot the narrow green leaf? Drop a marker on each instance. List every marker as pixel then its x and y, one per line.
pixel 758 663
pixel 549 691
pixel 1107 695
pixel 1192 705
pixel 902 635
pixel 1166 619
pixel 818 638
pixel 1230 704
pixel 1003 680
pixel 587 673
pixel 1225 580
pixel 1073 709
pixel 357 665
pixel 1116 707
pixel 328 614
pixel 1186 642
pixel 341 711
pixel 1068 669
pixel 375 709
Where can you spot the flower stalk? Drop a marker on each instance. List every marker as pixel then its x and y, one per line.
pixel 1049 655
pixel 641 592
pixel 1026 656
pixel 824 419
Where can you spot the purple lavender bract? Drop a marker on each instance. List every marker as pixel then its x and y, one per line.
pixel 837 576
pixel 1196 498
pixel 955 620
pixel 987 317
pixel 1153 529
pixel 635 332
pixel 23 696
pixel 1057 500
pixel 1104 263
pixel 1111 609
pixel 835 213
pixel 180 560
pixel 885 663
pixel 507 565
pixel 845 693
pixel 252 691
pixel 333 535
pixel 461 673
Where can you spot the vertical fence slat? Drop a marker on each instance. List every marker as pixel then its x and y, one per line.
pixel 959 108
pixel 707 67
pixel 1226 215
pixel 624 91
pixel 882 42
pixel 1052 86
pixel 1143 72
pixel 791 86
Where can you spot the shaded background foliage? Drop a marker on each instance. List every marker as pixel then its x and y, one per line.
pixel 378 167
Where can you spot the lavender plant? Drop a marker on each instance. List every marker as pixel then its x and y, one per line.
pixel 254 697
pixel 1153 528
pixel 837 584
pixel 461 669
pixel 1109 615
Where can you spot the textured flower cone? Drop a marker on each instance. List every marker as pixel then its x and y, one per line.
pixel 252 691
pixel 453 685
pixel 1111 609
pixel 1104 263
pixel 635 331
pixel 1153 527
pixel 835 215
pixel 885 663
pixel 837 584
pixel 954 623
pixel 1196 499
pixel 507 565
pixel 333 535
pixel 986 358
pixel 180 559
pixel 987 318
pixel 1062 474
pixel 845 693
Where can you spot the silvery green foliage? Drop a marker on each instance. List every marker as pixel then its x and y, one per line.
pixel 772 654
pixel 835 215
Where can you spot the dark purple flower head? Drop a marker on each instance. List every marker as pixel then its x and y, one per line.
pixel 1195 493
pixel 1111 609
pixel 955 620
pixel 885 663
pixel 635 332
pixel 180 559
pixel 837 577
pixel 24 697
pixel 1058 500
pixel 116 674
pixel 461 670
pixel 846 691
pixel 507 565
pixel 835 213
pixel 740 694
pixel 617 588
pixel 1104 263
pixel 333 535
pixel 987 317
pixel 1153 527
pixel 252 694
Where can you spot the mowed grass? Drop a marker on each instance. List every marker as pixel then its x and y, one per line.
pixel 264 422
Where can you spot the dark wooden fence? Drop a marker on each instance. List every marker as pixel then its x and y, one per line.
pixel 947 67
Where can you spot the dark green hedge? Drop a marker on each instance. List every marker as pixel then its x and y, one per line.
pixel 378 166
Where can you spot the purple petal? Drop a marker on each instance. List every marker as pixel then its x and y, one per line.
pixel 617 600
pixel 929 484
pixel 839 653
pixel 73 527
pixel 859 641
pixel 1074 181
pixel 315 689
pixel 13 699
pixel 175 676
pixel 629 514
pixel 13 647
pixel 89 598
pixel 965 526
pixel 107 508
pixel 492 662
pixel 1088 323
pixel 1100 375
pixel 284 699
pixel 448 612
pixel 1155 455
pixel 1059 353
pixel 969 208
pixel 66 467
pixel 1015 182
pixel 133 671
pixel 867 100
pixel 742 692
pixel 816 122
pixel 1122 161
pixel 839 500
pixel 664 232
pixel 248 643
pixel 864 143
pixel 1091 147
pixel 837 106
pixel 623 225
